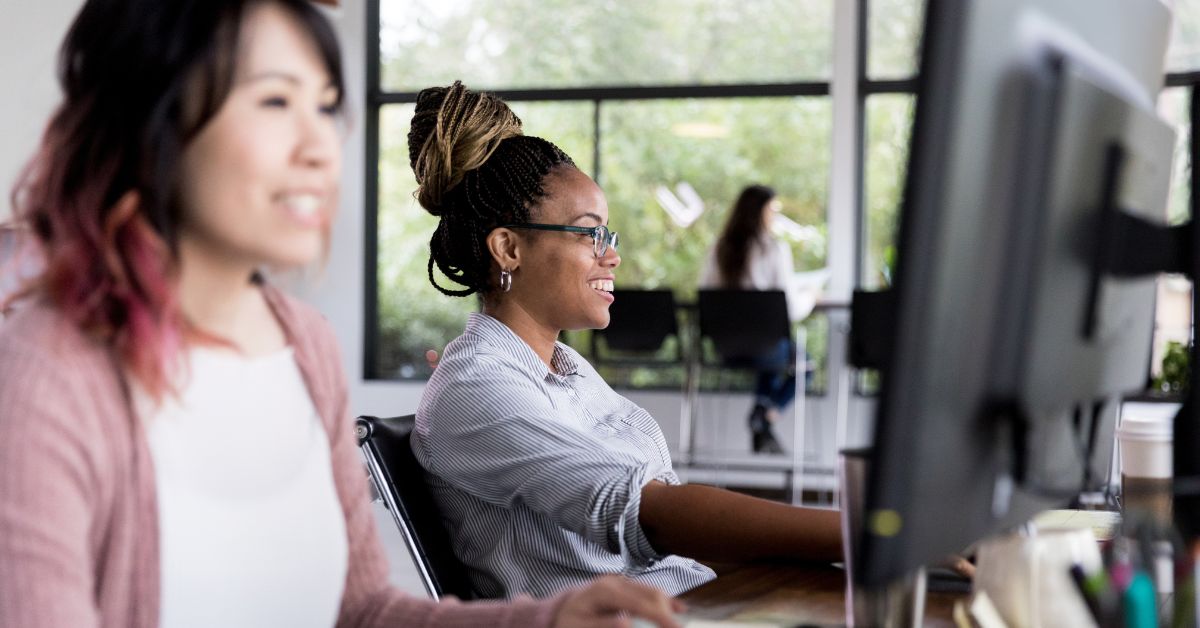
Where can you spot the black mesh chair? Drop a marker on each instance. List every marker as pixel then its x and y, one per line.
pixel 400 482
pixel 640 322
pixel 743 327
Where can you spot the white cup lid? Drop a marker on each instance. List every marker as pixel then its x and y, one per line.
pixel 1146 428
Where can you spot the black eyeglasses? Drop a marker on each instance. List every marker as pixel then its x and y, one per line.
pixel 602 238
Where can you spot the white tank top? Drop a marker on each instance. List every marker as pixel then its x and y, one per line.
pixel 250 527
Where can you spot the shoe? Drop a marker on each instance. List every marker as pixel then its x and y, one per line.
pixel 762 439
pixel 758 419
pixel 766 443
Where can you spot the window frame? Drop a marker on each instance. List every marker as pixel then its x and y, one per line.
pixel 377 98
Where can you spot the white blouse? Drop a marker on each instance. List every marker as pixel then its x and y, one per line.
pixel 250 526
pixel 768 267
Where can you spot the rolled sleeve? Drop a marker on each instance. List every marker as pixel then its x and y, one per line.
pixel 491 430
pixel 635 548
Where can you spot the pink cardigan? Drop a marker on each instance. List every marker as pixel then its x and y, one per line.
pixel 78 518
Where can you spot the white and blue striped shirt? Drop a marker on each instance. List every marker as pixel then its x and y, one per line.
pixel 538 473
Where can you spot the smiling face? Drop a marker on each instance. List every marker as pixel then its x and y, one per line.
pixel 560 282
pixel 259 183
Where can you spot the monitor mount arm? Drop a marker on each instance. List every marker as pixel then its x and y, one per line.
pixel 1130 247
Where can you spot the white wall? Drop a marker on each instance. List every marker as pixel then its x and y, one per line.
pixel 339 292
pixel 30 32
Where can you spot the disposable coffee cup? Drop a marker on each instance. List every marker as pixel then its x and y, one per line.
pixel 1145 443
pixel 898 605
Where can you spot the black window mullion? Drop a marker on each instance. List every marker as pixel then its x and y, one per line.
pixel 649 92
pixel 371 197
pixel 596 104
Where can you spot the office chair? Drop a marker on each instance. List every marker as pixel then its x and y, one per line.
pixel 640 321
pixel 400 481
pixel 743 326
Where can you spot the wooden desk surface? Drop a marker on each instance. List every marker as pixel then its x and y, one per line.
pixel 791 595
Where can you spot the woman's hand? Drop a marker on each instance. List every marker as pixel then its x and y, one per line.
pixel 960 565
pixel 612 601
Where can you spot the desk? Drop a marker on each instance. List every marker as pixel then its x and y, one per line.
pixel 793 594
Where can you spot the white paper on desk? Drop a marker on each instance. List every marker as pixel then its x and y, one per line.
pixel 1028 577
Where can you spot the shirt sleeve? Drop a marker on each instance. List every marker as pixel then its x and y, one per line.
pixel 488 428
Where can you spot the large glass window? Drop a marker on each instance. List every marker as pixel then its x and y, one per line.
pixel 887 131
pixel 1173 306
pixel 682 99
pixel 714 147
pixel 516 44
pixel 893 37
pixel 725 94
pixel 1173 105
pixel 1183 55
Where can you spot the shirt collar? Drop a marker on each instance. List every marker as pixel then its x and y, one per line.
pixel 495 331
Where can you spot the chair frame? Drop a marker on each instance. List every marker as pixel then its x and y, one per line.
pixel 795 471
pixel 438 582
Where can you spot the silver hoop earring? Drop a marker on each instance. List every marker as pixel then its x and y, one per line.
pixel 505 281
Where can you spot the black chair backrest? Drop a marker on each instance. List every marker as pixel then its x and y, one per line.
pixel 640 320
pixel 743 325
pixel 400 480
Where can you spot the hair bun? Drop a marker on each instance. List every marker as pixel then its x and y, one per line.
pixel 454 130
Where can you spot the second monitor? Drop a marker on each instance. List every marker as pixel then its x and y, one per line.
pixel 1035 126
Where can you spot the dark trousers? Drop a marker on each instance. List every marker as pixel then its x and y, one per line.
pixel 775 384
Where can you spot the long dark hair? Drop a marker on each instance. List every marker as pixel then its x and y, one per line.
pixel 744 227
pixel 476 172
pixel 140 79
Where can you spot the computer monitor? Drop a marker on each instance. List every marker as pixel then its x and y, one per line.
pixel 1035 125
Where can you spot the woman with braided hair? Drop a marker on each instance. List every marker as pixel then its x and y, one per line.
pixel 545 476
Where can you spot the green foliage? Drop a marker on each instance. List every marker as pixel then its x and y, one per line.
pixel 1184 52
pixel 1173 376
pixel 783 142
pixel 1174 104
pixel 894 27
pixel 563 43
pixel 888 128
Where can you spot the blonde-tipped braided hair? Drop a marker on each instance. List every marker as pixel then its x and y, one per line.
pixel 475 171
